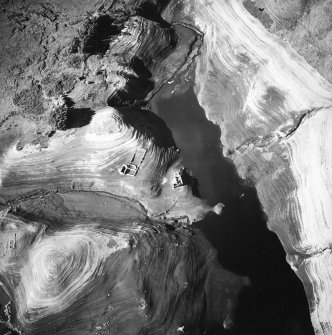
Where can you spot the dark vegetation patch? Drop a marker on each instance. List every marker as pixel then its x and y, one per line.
pixel 58 117
pixel 30 99
pixel 65 117
pixel 98 34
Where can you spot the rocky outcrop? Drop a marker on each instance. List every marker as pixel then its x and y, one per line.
pixel 274 113
pixel 111 54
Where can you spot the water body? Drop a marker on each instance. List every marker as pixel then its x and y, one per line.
pixel 275 302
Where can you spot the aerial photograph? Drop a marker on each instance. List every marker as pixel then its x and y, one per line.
pixel 166 167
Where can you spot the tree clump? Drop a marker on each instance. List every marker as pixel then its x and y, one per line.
pixel 58 117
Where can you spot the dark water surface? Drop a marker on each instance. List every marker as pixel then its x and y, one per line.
pixel 275 302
